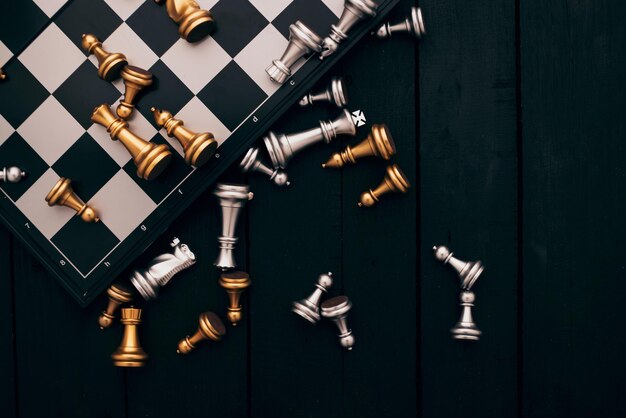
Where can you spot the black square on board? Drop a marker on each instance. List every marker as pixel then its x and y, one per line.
pixel 88 16
pixel 313 13
pixel 238 22
pixel 20 20
pixel 166 92
pixel 232 95
pixel 15 151
pixel 151 22
pixel 20 94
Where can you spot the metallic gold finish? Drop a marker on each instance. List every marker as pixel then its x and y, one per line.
pixel 150 159
pixel 193 23
pixel 3 76
pixel 135 80
pixel 379 143
pixel 394 181
pixel 62 194
pixel 118 294
pixel 234 283
pixel 211 328
pixel 130 353
pixel 198 147
pixel 110 64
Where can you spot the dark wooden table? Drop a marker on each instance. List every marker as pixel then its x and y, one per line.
pixel 509 120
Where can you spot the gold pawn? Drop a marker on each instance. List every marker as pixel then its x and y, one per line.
pixel 379 143
pixel 198 147
pixel 110 64
pixel 193 22
pixel 234 283
pixel 130 353
pixel 135 80
pixel 211 328
pixel 394 181
pixel 3 76
pixel 118 294
pixel 62 194
pixel 150 159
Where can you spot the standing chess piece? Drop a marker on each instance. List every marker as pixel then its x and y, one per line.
pixel 130 353
pixel 62 194
pixel 194 23
pixel 234 283
pixel 232 198
pixel 12 174
pixel 161 269
pixel 468 271
pixel 336 93
pixel 394 181
pixel 413 25
pixel 110 64
pixel 198 147
pixel 302 41
pixel 282 147
pixel 150 159
pixel 379 143
pixel 354 11
pixel 336 309
pixel 211 328
pixel 309 308
pixel 252 162
pixel 135 80
pixel 118 294
pixel 466 329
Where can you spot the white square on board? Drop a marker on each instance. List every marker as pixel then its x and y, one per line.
pixel 335 6
pixel 124 8
pixel 5 54
pixel 126 41
pixel 6 130
pixel 271 8
pixel 50 7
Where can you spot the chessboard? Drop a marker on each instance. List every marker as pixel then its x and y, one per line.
pixel 217 85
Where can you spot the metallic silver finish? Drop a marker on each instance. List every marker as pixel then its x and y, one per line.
pixel 302 41
pixel 466 329
pixel 309 308
pixel 354 11
pixel 11 174
pixel 161 269
pixel 232 198
pixel 282 147
pixel 252 162
pixel 468 272
pixel 336 93
pixel 336 309
pixel 413 25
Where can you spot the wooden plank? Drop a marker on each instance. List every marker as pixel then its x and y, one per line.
pixel 573 65
pixel 468 173
pixel 7 335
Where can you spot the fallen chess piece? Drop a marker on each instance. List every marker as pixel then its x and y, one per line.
pixel 302 41
pixel 130 353
pixel 194 23
pixel 210 327
pixel 135 80
pixel 232 198
pixel 354 11
pixel 336 309
pixel 252 162
pixel 309 308
pixel 118 294
pixel 379 143
pixel 413 25
pixel 234 283
pixel 109 64
pixel 12 174
pixel 394 181
pixel 3 75
pixel 336 93
pixel 62 194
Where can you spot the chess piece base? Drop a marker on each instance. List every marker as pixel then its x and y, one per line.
pixel 196 26
pixel 200 149
pixel 151 162
pixel 305 309
pixel 134 357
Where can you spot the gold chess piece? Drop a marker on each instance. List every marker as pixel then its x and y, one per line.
pixel 110 64
pixel 62 194
pixel 150 159
pixel 130 353
pixel 379 143
pixel 211 328
pixel 198 147
pixel 3 76
pixel 234 283
pixel 135 80
pixel 394 181
pixel 193 23
pixel 118 294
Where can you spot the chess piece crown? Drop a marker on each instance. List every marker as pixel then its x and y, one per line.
pixel 130 353
pixel 336 93
pixel 12 174
pixel 135 80
pixel 109 64
pixel 309 308
pixel 336 309
pixel 302 41
pixel 394 181
pixel 210 327
pixel 353 12
pixel 62 194
pixel 232 198
pixel 194 23
pixel 118 294
pixel 379 143
pixel 252 162
pixel 234 283
pixel 413 25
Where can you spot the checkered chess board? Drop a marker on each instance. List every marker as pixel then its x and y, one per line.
pixel 217 85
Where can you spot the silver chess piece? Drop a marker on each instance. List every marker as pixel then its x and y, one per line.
pixel 232 198
pixel 354 11
pixel 148 281
pixel 309 308
pixel 413 25
pixel 252 162
pixel 468 271
pixel 11 174
pixel 336 93
pixel 282 147
pixel 302 41
pixel 336 309
pixel 466 329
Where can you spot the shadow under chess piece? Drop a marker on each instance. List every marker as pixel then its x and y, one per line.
pixel 232 198
pixel 336 309
pixel 252 162
pixel 309 308
pixel 118 294
pixel 353 12
pixel 110 64
pixel 379 143
pixel 150 159
pixel 336 93
pixel 12 174
pixel 130 353
pixel 302 41
pixel 468 271
pixel 62 194
pixel 211 328
pixel 135 80
pixel 466 329
pixel 394 181
pixel 413 25
pixel 194 23
pixel 234 283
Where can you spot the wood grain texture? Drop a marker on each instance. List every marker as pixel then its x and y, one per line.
pixel 7 332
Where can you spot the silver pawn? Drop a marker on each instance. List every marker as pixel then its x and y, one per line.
pixel 466 329
pixel 252 162
pixel 468 272
pixel 309 308
pixel 302 41
pixel 148 281
pixel 11 174
pixel 353 12
pixel 232 198
pixel 282 147
pixel 413 25
pixel 336 93
pixel 336 309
